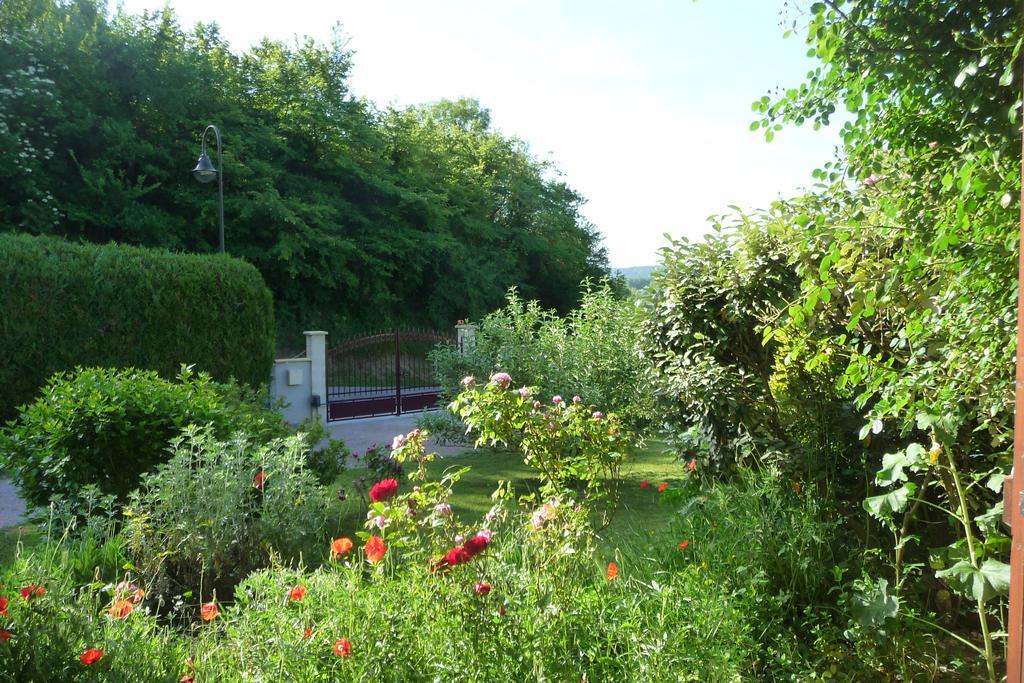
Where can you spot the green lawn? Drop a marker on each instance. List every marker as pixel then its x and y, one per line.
pixel 639 511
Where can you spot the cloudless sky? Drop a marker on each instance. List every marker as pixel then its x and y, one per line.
pixel 643 105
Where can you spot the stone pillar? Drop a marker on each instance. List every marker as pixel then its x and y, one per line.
pixel 316 352
pixel 465 334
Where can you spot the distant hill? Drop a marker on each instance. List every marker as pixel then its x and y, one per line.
pixel 638 277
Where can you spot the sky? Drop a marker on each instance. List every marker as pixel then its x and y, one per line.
pixel 643 105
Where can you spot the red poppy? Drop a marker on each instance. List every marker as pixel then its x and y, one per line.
pixel 297 593
pixel 383 490
pixel 482 588
pixel 3 607
pixel 340 546
pixel 684 545
pixel 375 549
pixel 342 647
pixel 613 571
pixel 307 633
pixel 90 656
pixel 663 487
pixel 645 485
pixel 210 611
pixel 4 635
pixel 257 481
pixel 32 591
pixel 121 609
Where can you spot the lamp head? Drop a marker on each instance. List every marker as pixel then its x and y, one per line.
pixel 204 171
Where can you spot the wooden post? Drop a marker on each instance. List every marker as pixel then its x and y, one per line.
pixel 1015 485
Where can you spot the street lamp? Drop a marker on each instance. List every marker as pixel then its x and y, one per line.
pixel 205 172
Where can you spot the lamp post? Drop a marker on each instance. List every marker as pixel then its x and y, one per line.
pixel 205 172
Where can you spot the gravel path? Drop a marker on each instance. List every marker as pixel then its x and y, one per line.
pixel 362 433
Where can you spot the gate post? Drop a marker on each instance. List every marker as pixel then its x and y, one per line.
pixel 464 333
pixel 316 352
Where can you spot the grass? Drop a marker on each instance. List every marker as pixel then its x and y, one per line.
pixel 639 511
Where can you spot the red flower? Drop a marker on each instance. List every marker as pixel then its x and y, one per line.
pixel 187 678
pixel 684 545
pixel 476 545
pixel 121 609
pixel 645 485
pixel 3 607
pixel 375 549
pixel 90 656
pixel 384 489
pixel 613 571
pixel 4 635
pixel 663 487
pixel 482 588
pixel 340 546
pixel 342 647
pixel 307 633
pixel 692 465
pixel 210 611
pixel 257 481
pixel 297 593
pixel 32 591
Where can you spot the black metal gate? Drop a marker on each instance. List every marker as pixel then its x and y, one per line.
pixel 383 374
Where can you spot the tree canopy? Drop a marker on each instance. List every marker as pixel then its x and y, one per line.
pixel 357 217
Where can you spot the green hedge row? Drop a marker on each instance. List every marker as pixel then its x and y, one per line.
pixel 64 304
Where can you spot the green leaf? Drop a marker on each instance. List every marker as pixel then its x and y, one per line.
pixel 895 464
pixel 982 583
pixel 884 505
pixel 872 605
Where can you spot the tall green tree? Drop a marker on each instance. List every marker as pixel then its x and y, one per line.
pixel 357 218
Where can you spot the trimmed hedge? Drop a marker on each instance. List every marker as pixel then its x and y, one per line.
pixel 65 305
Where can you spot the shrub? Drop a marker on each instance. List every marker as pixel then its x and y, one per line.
pixel 570 444
pixel 108 427
pixel 219 509
pixel 593 351
pixel 65 305
pixel 445 428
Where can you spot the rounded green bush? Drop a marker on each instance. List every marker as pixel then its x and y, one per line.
pixel 108 427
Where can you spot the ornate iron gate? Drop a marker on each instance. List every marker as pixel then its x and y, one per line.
pixel 383 374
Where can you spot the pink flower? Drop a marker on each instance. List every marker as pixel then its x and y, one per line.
pixel 544 514
pixel 398 442
pixel 501 379
pixel 576 399
pixel 524 392
pixel 872 180
pixel 442 509
pixel 597 415
pixel 933 145
pixel 692 465
pixel 380 521
pixel 557 399
pixel 485 534
pixel 468 381
pixel 536 404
